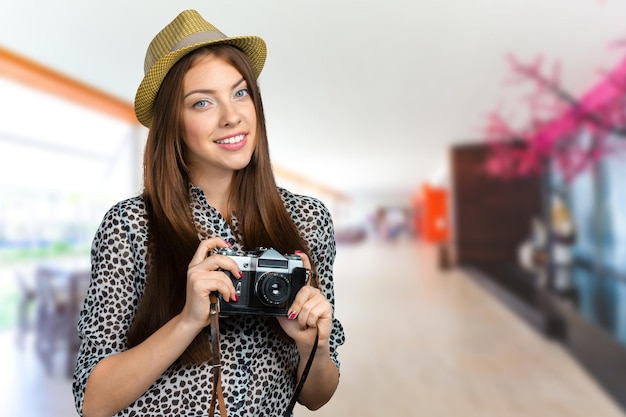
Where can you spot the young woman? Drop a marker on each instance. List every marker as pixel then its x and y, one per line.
pixel 208 184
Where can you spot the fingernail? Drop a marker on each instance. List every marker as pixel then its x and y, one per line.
pixel 240 274
pixel 228 244
pixel 235 297
pixel 298 252
pixel 292 315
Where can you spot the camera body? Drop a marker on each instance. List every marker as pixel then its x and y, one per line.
pixel 269 284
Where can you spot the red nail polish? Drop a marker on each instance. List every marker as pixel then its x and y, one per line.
pixel 235 297
pixel 298 252
pixel 240 274
pixel 292 315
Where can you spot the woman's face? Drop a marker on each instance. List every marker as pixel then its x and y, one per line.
pixel 219 118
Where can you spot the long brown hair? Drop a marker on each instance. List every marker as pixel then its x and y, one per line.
pixel 172 235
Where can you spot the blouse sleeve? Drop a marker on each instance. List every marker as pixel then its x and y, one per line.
pixel 318 230
pixel 113 294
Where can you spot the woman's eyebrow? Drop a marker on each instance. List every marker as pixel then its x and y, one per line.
pixel 209 91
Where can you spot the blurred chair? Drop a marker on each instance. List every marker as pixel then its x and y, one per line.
pixel 26 293
pixel 52 313
pixel 59 296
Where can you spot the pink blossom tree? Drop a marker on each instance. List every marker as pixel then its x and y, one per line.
pixel 557 120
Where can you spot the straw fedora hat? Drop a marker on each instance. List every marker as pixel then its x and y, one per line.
pixel 186 33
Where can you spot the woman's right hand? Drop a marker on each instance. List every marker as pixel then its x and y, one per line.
pixel 205 274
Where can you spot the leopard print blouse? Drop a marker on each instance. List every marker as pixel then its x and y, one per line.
pixel 258 366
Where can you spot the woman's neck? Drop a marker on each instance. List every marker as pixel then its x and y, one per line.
pixel 216 191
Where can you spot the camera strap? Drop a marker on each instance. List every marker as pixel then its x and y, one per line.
pixel 305 372
pixel 216 392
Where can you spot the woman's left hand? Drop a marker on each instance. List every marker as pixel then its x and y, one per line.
pixel 309 314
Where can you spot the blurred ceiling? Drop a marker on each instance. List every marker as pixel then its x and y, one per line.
pixel 363 96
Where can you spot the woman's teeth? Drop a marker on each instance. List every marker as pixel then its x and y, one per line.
pixel 234 139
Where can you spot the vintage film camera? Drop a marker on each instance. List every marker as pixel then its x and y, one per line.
pixel 269 284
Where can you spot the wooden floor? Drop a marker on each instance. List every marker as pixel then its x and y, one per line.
pixel 420 342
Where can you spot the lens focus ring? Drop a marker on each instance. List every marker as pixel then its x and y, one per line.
pixel 273 288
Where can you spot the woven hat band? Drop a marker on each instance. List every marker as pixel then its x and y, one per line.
pixel 197 37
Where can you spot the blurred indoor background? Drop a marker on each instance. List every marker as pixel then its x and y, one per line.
pixel 470 153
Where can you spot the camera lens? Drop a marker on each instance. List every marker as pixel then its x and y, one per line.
pixel 273 288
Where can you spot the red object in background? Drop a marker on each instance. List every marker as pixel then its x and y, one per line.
pixel 433 214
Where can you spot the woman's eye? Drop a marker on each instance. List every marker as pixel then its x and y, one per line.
pixel 242 93
pixel 202 104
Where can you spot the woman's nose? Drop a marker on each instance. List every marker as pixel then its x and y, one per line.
pixel 229 116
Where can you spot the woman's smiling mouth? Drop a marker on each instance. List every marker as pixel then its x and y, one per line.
pixel 231 140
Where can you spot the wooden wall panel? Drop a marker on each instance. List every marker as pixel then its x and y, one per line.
pixel 491 216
